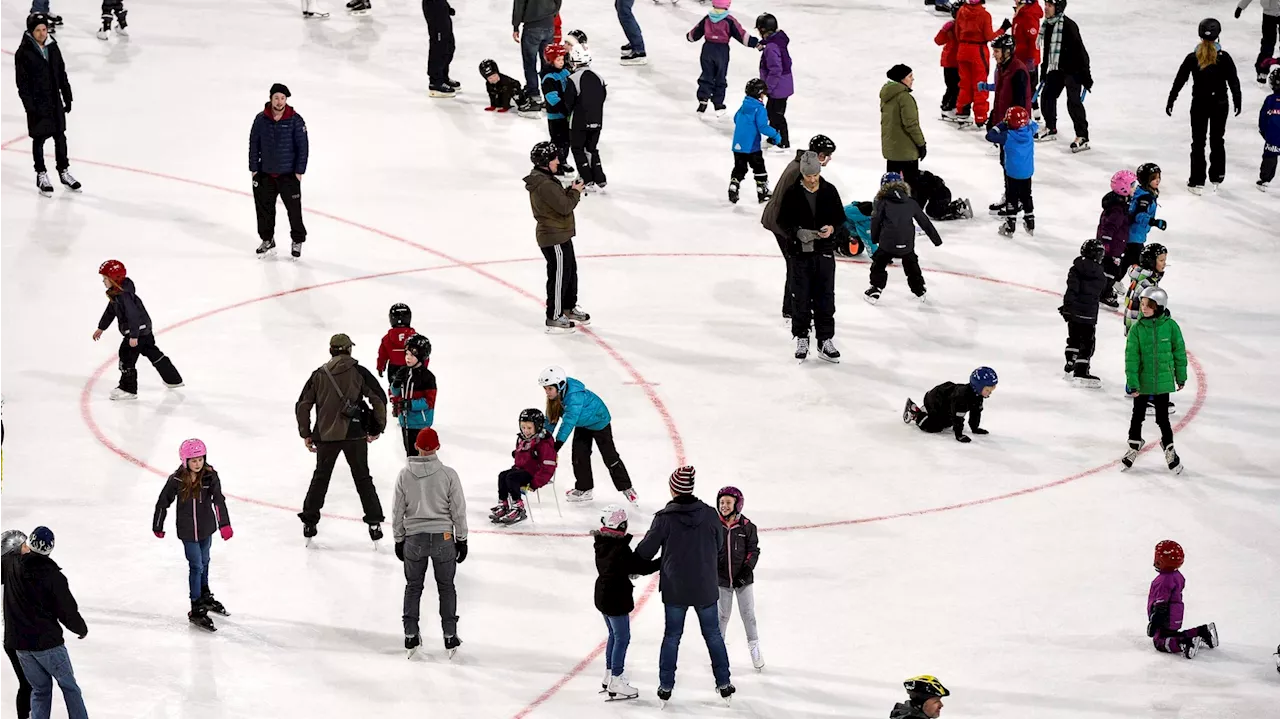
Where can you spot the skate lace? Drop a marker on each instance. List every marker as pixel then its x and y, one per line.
pixel 828 346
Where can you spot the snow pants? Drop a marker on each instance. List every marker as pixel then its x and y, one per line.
pixel 714 80
pixel 1161 403
pixel 746 607
pixel 1173 642
pixel 583 479
pixel 950 75
pixel 975 66
pixel 1267 172
pixel 910 266
pixel 813 295
pixel 585 153
pixel 777 109
pixel 1081 340
pixel 440 44
pixel 1208 121
pixel 510 482
pixel 146 348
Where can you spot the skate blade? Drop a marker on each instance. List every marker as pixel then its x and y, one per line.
pixel 1087 383
pixel 315 15
pixel 637 61
pixel 1176 470
pixel 621 698
pixel 530 114
pixel 359 13
pixel 269 254
pixel 561 330
pixel 1078 150
pixel 410 652
pixel 832 360
pixel 208 628
pixel 441 95
pixel 45 193
pixel 451 652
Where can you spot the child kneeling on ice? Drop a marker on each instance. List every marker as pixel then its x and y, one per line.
pixel 535 464
pixel 1164 607
pixel 737 564
pixel 617 562
pixel 947 404
pixel 504 91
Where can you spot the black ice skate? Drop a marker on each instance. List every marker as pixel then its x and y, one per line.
pixel 1209 632
pixel 1009 227
pixel 1110 300
pixel 726 692
pixel 359 7
pixel 762 191
pixel 664 696
pixel 910 412
pixel 631 57
pixel 827 351
pixel 212 605
pixel 733 189
pixel 309 531
pixel 1029 223
pixel 1080 144
pixel 266 249
pixel 560 326
pixel 578 316
pixel 199 617
pixel 68 181
pixel 995 207
pixel 1193 647
pixel 122 23
pixel 1130 456
pixel 802 349
pixel 441 90
pixel 1082 378
pixel 1046 135
pixel 515 515
pixel 451 644
pixel 1172 459
pixel 702 106
pixel 872 295
pixel 411 645
pixel 375 534
pixel 104 32
pixel 295 249
pixel 43 184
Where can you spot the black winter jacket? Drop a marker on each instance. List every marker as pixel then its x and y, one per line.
pixel 739 553
pixel 794 214
pixel 129 312
pixel 616 561
pixel 689 534
pixel 198 517
pixel 279 147
pixel 587 109
pixel 42 86
pixel 955 400
pixel 1210 85
pixel 504 91
pixel 906 710
pixel 1074 59
pixel 1086 281
pixel 893 221
pixel 36 599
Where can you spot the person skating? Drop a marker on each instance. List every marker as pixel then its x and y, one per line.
pixel 13 542
pixel 1142 212
pixel 736 563
pixel 45 92
pixel 749 123
pixel 902 140
pixel 278 152
pixel 616 565
pixel 1269 128
pixel 1013 86
pixel 553 205
pixel 1270 28
pixel 1155 365
pixel 716 30
pixel 1113 230
pixel 633 52
pixel 534 465
pixel 946 405
pixel 950 62
pixel 391 349
pixel 924 699
pixel 1065 66
pixel 812 216
pixel 775 70
pixel 1165 609
pixel 1086 284
pixel 572 408
pixel 533 26
pixel 1213 75
pixel 358 8
pixel 202 512
pixel 413 392
pixel 311 10
pixel 825 149
pixel 429 525
pixel 130 315
pixel 41 7
pixel 505 92
pixel 114 10
pixel 973 31
pixel 586 118
pixel 1027 18
pixel 1146 272
pixel 558 93
pixel 1016 138
pixel 893 230
pixel 440 47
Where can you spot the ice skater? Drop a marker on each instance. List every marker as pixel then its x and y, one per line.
pixel 775 70
pixel 586 118
pixel 557 90
pixel 505 92
pixel 1155 366
pixel 1142 212
pixel 1147 272
pixel 893 232
pixel 114 10
pixel 1065 67
pixel 278 152
pixel 1270 28
pixel 814 218
pixel 749 123
pixel 1165 608
pixel 440 48
pixel 553 205
pixel 391 349
pixel 1213 76
pixel 946 39
pixel 738 556
pixel 1016 138
pixel 617 564
pixel 534 466
pixel 413 392
pixel 716 30
pixel 973 31
pixel 947 404
pixel 1269 128
pixel 1086 283
pixel 924 699
pixel 1113 231
pixel 574 409
pixel 45 92
pixel 125 306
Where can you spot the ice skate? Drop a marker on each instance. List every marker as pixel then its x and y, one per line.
pixel 604 683
pixel 119 394
pixel 966 211
pixel 1083 379
pixel 68 181
pixel 910 412
pixel 995 207
pixel 962 121
pixel 757 659
pixel 827 351
pixel 43 184
pixel 1131 455
pixel 1110 300
pixel 359 7
pixel 1262 186
pixel 720 111
pixel 308 532
pixel 122 23
pixel 1009 227
pixel 175 385
pixel 312 11
pixel 1196 190
pixel 578 495
pixel 295 250
pixel 1069 369
pixel 441 90
pixel 872 296
pixel 578 316
pixel 802 348
pixel 664 696
pixel 630 494
pixel 528 109
pixel 1029 223
pixel 1215 186
pixel 375 535
pixel 620 689
pixel 411 644
pixel 1046 135
pixel 1209 632
pixel 211 604
pixel 451 644
pixel 762 192
pixel 726 692
pixel 922 298
pixel 733 191
pixel 515 515
pixel 631 57
pixel 948 116
pixel 266 249
pixel 1172 459
pixel 1079 144
pixel 560 326
pixel 702 107
pixel 104 32
pixel 199 617
pixel 499 509
pixel 1193 647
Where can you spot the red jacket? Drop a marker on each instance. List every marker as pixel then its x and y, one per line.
pixel 973 31
pixel 1026 33
pixel 392 348
pixel 946 37
pixel 537 456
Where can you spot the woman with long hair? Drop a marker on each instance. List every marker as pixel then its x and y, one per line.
pixel 572 408
pixel 1212 73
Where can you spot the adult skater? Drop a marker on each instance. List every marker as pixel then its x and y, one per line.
pixel 633 52
pixel 13 543
pixel 1012 87
pixel 429 524
pixel 553 205
pixel 37 604
pixel 947 404
pixel 825 148
pixel 126 308
pixel 1270 27
pixel 688 533
pixel 533 25
pixel 812 215
pixel 345 424
pixel 278 150
pixel 46 97
pixel 901 138
pixel 924 699
pixel 440 47
pixel 1065 66
pixel 571 407
pixel 1212 73
pixel 973 32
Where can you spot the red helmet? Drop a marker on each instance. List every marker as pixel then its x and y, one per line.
pixel 551 52
pixel 113 270
pixel 1169 555
pixel 1017 117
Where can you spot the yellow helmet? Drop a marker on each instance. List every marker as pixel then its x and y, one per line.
pixel 925 686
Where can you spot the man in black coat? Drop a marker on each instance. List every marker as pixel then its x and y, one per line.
pixel 1086 282
pixel 1064 65
pixel 893 230
pixel 46 98
pixel 278 153
pixel 440 47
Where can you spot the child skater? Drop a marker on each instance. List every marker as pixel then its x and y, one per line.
pixel 557 91
pixel 1086 283
pixel 1164 607
pixel 535 464
pixel 1113 230
pixel 717 29
pixel 737 565
pixel 893 231
pixel 749 123
pixel 1269 128
pixel 504 91
pixel 196 482
pixel 1017 136
pixel 1148 272
pixel 1142 212
pixel 586 117
pixel 617 562
pixel 775 70
pixel 1155 366
pixel 946 39
pixel 116 8
pixel 124 304
pixel 947 404
pixel 391 349
pixel 413 395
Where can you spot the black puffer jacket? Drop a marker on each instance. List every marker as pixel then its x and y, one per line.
pixel 616 561
pixel 36 599
pixel 739 553
pixel 197 517
pixel 128 311
pixel 894 219
pixel 953 400
pixel 1086 281
pixel 42 86
pixel 907 711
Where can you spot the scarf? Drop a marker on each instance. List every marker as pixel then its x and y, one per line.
pixel 716 14
pixel 1054 46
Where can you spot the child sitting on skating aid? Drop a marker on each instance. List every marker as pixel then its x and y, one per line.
pixel 1017 135
pixel 1155 366
pixel 1142 212
pixel 1164 607
pixel 504 91
pixel 717 29
pixel 535 464
pixel 617 562
pixel 737 565
pixel 391 349
pixel 1113 230
pixel 749 123
pixel 947 404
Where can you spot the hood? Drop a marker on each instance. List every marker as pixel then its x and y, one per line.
pixel 35 564
pixel 891 90
pixel 748 101
pixel 779 38
pixel 906 711
pixel 894 192
pixel 127 286
pixel 1032 10
pixel 288 112
pixel 1114 199
pixel 421 467
pixel 341 363
pixel 1084 264
pixel 687 509
pixel 537 177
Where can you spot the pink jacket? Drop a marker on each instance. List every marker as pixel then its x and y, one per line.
pixel 537 456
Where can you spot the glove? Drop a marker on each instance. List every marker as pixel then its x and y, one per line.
pixel 66 107
pixel 1083 94
pixel 964 438
pixel 159 535
pixel 1237 110
pixel 924 150
pixel 806 236
pixel 400 551
pixel 1238 11
pixel 86 633
pixel 739 582
pixel 226 532
pixel 979 430
pixel 986 87
pixel 1159 224
pixel 1168 109
pixel 452 12
pixel 559 443
pixel 1006 24
pixel 461 546
pixel 1181 385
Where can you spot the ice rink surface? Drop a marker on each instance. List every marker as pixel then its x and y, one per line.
pixel 1014 568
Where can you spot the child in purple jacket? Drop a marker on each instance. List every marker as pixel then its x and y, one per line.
pixel 775 70
pixel 1113 230
pixel 1164 607
pixel 717 29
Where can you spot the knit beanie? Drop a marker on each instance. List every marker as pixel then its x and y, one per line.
pixel 36 19
pixel 720 4
pixel 41 541
pixel 809 164
pixel 428 440
pixel 898 72
pixel 279 87
pixel 682 479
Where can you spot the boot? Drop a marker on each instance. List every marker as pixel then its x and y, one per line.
pixel 1209 632
pixel 516 514
pixel 267 248
pixel 1082 378
pixel 872 295
pixel 1131 455
pixel 620 688
pixel 1009 227
pixel 68 181
pixel 105 31
pixel 560 325
pixel 762 190
pixel 802 348
pixel 733 191
pixel 1172 459
pixel 1029 223
pixel 43 184
pixel 498 510
pixel 1193 646
pixel 910 412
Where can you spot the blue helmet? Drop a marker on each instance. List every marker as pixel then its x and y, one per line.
pixel 981 378
pixel 888 177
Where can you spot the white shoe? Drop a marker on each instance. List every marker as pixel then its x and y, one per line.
pixel 174 386
pixel 620 688
pixel 119 394
pixel 1196 190
pixel 576 495
pixel 757 659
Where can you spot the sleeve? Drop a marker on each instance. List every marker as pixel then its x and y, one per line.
pixel 737 32
pixel 1086 73
pixel 569 420
pixel 787 213
pixel 66 84
pixel 129 310
pixel 372 391
pixel 636 565
pixel 107 315
pixel 397 510
pixel 654 538
pixel 1142 213
pixel 517 14
pixel 302 408
pixel 944 35
pixel 545 454
pixel 384 347
pixel 167 495
pixel 911 119
pixel 301 144
pixel 219 502
pixel 1179 356
pixel 1132 361
pixel 1070 297
pixel 959 407
pixel 926 224
pixel 561 199
pixel 65 605
pixel 457 507
pixel 550 90
pixel 1184 74
pixel 975 416
pixel 753 546
pixel 1233 80
pixel 698 31
pixel 255 146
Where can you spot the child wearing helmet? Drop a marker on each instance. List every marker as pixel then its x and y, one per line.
pixel 1165 609
pixel 557 92
pixel 749 123
pixel 947 405
pixel 1086 283
pixel 574 409
pixel 1155 365
pixel 617 563
pixel 391 349
pixel 924 699
pixel 1142 212
pixel 1148 272
pixel 946 39
pixel 1213 76
pixel 413 393
pixel 1113 230
pixel 775 70
pixel 202 511
pixel 1269 128
pixel 504 91
pixel 553 205
pixel 737 565
pixel 534 465
pixel 894 217
pixel 1016 137
pixel 585 106
pixel 716 30
pixel 126 308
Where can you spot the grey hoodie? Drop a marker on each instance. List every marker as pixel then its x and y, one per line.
pixel 1269 7
pixel 428 500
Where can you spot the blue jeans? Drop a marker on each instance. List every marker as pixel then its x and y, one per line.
pixel 709 621
pixel 630 27
pixel 532 42
pixel 615 652
pixel 41 669
pixel 41 6
pixel 198 564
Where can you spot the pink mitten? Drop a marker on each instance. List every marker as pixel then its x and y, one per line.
pixel 226 532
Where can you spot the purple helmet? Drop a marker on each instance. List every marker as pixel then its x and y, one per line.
pixel 191 449
pixel 1123 181
pixel 738 501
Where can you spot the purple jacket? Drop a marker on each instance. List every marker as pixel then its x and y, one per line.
pixel 1113 225
pixel 1166 588
pixel 775 66
pixel 722 32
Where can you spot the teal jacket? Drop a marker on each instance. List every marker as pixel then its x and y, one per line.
pixel 582 408
pixel 1155 357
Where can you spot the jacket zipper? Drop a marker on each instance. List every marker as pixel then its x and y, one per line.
pixel 728 552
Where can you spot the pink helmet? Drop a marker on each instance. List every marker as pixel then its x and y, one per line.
pixel 1123 181
pixel 721 4
pixel 191 449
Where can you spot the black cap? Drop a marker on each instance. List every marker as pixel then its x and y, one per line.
pixel 279 87
pixel 36 19
pixel 898 73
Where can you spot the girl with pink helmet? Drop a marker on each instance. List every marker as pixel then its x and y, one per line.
pixel 1113 231
pixel 737 564
pixel 202 510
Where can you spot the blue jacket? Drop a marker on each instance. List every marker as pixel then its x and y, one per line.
pixel 582 408
pixel 749 123
pixel 1019 149
pixel 689 533
pixel 1269 123
pixel 278 147
pixel 1142 212
pixel 558 92
pixel 415 391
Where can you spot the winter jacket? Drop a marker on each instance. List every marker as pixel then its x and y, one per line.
pixel 129 312
pixel 428 500
pixel 278 147
pixel 946 38
pixel 616 562
pixel 950 399
pixel 1210 85
pixel 356 384
pixel 391 349
pixel 534 12
pixel 1164 601
pixel 689 534
pixel 775 66
pixel 1113 224
pixel 1139 280
pixel 1142 214
pixel 795 214
pixel 1086 281
pixel 505 91
pixel 36 600
pixel 552 205
pixel 934 197
pixel 1013 89
pixel 904 710
pixel 589 92
pixel 973 31
pixel 1155 358
pixel 1071 57
pixel 582 408
pixel 558 93
pixel 1019 149
pixel 1269 7
pixel 42 86
pixel 900 135
pixel 1269 124
pixel 894 219
pixel 721 31
pixel 414 395
pixel 1026 34
pixel 749 123
pixel 857 222
pixel 200 516
pixel 739 552
pixel 790 175
pixel 536 455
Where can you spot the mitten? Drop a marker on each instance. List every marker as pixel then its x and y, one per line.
pixel 66 107
pixel 226 533
pixel 964 438
pixel 400 551
pixel 1006 24
pixel 159 535
pixel 986 87
pixel 461 546
pixel 1159 224
pixel 979 430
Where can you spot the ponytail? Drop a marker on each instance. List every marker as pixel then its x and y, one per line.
pixel 1206 54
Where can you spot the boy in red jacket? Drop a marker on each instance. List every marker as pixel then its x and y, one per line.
pixel 946 39
pixel 1026 36
pixel 535 464
pixel 391 350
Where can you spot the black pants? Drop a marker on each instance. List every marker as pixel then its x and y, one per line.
pixel 934 423
pixel 813 295
pixel 784 246
pixel 1208 119
pixel 951 75
pixel 1132 252
pixel 558 128
pixel 910 266
pixel 357 454
pixel 741 160
pixel 287 187
pixel 1018 194
pixel 910 170
pixel 1054 83
pixel 582 477
pixel 1161 403
pixel 562 279
pixel 440 40
pixel 1270 27
pixel 586 154
pixel 777 110
pixel 509 483
pixel 1267 172
pixel 24 686
pixel 1081 339
pixel 147 348
pixel 410 437
pixel 59 152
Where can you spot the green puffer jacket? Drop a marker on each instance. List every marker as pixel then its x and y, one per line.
pixel 900 133
pixel 1155 357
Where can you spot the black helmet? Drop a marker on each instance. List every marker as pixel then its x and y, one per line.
pixel 1093 250
pixel 767 23
pixel 1004 42
pixel 1146 173
pixel 921 688
pixel 488 67
pixel 419 346
pixel 756 88
pixel 1210 29
pixel 579 36
pixel 822 144
pixel 536 416
pixel 543 153
pixel 1151 251
pixel 400 315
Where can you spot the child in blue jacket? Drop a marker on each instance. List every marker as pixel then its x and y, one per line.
pixel 1017 136
pixel 1269 128
pixel 716 30
pixel 1142 212
pixel 750 122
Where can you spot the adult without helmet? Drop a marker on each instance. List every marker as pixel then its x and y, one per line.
pixel 767 23
pixel 756 88
pixel 1169 555
pixel 1210 29
pixel 1017 117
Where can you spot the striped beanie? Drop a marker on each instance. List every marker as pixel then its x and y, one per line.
pixel 682 480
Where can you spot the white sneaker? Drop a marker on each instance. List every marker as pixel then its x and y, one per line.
pixel 577 495
pixel 620 688
pixel 118 393
pixel 757 659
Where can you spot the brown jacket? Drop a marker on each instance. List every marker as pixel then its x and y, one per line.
pixel 789 177
pixel 552 205
pixel 331 425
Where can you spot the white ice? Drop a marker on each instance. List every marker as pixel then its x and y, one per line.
pixel 1026 605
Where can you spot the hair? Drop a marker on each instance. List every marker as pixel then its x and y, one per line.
pixel 555 409
pixel 1206 54
pixel 191 480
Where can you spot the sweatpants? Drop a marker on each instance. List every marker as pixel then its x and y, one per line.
pixel 1081 339
pixel 1208 121
pixel 1270 27
pixel 357 453
pixel 746 607
pixel 910 266
pixel 973 70
pixel 266 188
pixel 813 295
pixel 510 482
pixel 583 480
pixel 562 278
pixel 950 75
pixel 558 129
pixel 585 153
pixel 146 348
pixel 713 82
pixel 441 553
pixel 777 110
pixel 440 44
pixel 1018 194
pixel 1161 403
pixel 59 152
pixel 1054 83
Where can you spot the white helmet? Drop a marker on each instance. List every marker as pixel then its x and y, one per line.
pixel 613 517
pixel 579 55
pixel 552 376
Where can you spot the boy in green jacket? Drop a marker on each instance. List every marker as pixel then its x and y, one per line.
pixel 1155 364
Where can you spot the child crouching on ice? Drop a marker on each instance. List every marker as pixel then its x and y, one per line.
pixel 535 463
pixel 947 404
pixel 617 563
pixel 1164 607
pixel 504 91
pixel 749 123
pixel 737 564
